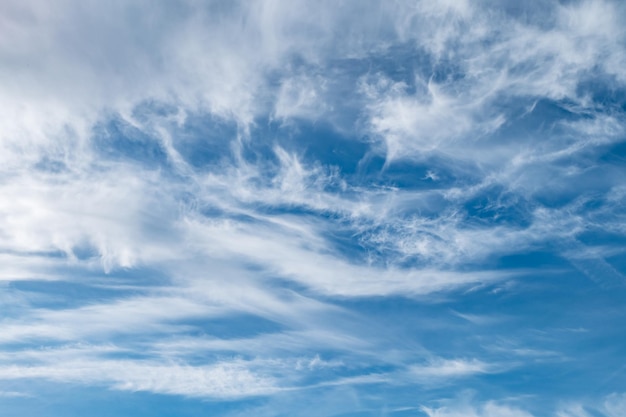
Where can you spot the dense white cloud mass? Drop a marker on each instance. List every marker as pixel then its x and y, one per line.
pixel 376 203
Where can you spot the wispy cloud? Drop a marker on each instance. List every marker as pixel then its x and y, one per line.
pixel 446 368
pixel 224 380
pixel 233 200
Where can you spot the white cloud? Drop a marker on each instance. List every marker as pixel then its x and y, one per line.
pixel 222 380
pixel 113 211
pixel 492 58
pixel 573 411
pixel 614 405
pixel 69 212
pixel 301 96
pixel 446 368
pixel 14 394
pixel 611 406
pixel 488 409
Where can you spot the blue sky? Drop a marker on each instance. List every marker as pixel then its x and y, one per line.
pixel 279 208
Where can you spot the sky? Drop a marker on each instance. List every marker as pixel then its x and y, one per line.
pixel 312 208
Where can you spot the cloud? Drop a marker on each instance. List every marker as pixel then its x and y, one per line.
pixel 236 199
pixel 610 406
pixel 446 368
pixel 488 409
pixel 490 59
pixel 614 404
pixel 222 381
pixel 573 411
pixel 71 213
pixel 14 394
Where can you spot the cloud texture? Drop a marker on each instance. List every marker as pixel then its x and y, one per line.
pixel 408 207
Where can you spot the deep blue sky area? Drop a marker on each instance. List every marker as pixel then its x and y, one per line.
pixel 313 208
